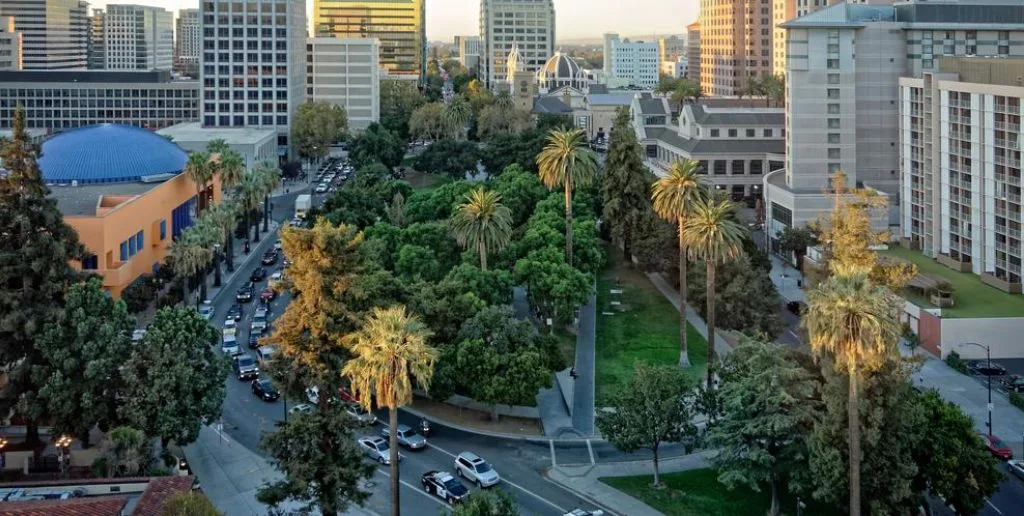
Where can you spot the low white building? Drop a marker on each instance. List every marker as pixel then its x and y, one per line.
pixel 254 144
pixel 630 63
pixel 344 72
pixel 675 69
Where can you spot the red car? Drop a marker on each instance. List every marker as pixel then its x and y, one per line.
pixel 997 447
pixel 347 395
pixel 268 294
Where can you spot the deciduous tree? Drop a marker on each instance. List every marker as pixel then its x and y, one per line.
pixel 488 503
pixel 746 299
pixel 189 503
pixel 377 144
pixel 449 157
pixel 398 100
pixel 317 126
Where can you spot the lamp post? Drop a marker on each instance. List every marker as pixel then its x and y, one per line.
pixel 216 265
pixel 3 455
pixel 988 358
pixel 63 445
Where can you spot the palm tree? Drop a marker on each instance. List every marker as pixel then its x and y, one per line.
pixel 482 223
pixel 190 256
pixel 854 321
pixel 250 192
pixel 269 178
pixel 200 172
pixel 217 146
pixel 455 117
pixel 390 351
pixel 567 161
pixel 673 199
pixel 711 233
pixel 222 216
pixel 231 168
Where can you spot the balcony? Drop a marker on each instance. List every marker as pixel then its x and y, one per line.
pixel 960 119
pixel 1008 179
pixel 1008 248
pixel 1007 144
pixel 1007 161
pixel 1012 197
pixel 960 103
pixel 960 135
pixel 1007 126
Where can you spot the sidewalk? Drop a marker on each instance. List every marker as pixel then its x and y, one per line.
pixel 583 385
pixel 787 281
pixel 722 347
pixel 585 481
pixel 230 474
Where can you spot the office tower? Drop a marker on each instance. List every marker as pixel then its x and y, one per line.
pixel 54 32
pixel 138 37
pixel 843 95
pixel 735 45
pixel 670 49
pixel 188 42
pixel 344 72
pixel 253 64
pixel 398 24
pixel 529 24
pixel 10 45
pixel 693 62
pixel 630 63
pixel 786 10
pixel 96 49
pixel 469 52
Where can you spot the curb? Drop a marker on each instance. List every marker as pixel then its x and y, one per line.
pixel 488 433
pixel 547 476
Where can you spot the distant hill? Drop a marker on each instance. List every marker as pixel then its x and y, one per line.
pixel 600 40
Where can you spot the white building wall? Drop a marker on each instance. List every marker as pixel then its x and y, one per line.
pixel 530 24
pixel 138 37
pixel 344 73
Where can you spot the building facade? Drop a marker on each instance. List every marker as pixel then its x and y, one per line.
pixel 344 72
pixel 58 100
pixel 671 48
pixel 693 52
pixel 735 44
pixel 528 24
pixel 138 37
pixel 11 49
pixel 398 24
pixel 630 63
pixel 252 66
pixel 960 190
pixel 54 32
pixel 675 69
pixel 96 48
pixel 188 42
pixel 469 52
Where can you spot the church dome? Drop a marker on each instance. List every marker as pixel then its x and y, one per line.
pixel 561 71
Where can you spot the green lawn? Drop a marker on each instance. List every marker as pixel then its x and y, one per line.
pixel 699 493
pixel 422 181
pixel 645 327
pixel 972 298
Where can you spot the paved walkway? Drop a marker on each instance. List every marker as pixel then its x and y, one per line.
pixel 787 280
pixel 722 347
pixel 585 481
pixel 583 386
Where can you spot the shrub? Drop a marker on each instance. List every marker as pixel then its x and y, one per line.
pixel 1017 400
pixel 953 360
pixel 139 294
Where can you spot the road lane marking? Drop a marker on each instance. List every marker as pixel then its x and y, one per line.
pixel 414 488
pixel 591 450
pixel 507 481
pixel 552 443
pixel 993 506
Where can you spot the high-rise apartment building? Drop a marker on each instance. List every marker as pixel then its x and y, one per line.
pixel 10 45
pixel 188 42
pixel 253 64
pixel 344 72
pixel 960 141
pixel 630 63
pixel 469 52
pixel 693 51
pixel 54 32
pixel 843 92
pixel 398 24
pixel 786 10
pixel 138 37
pixel 735 43
pixel 529 24
pixel 671 48
pixel 97 47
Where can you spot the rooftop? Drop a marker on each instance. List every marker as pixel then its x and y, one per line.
pixel 669 136
pixel 610 99
pixel 99 506
pixel 194 131
pixel 545 104
pixel 993 13
pixel 109 153
pixel 87 76
pixel 745 116
pixel 652 106
pixel 83 200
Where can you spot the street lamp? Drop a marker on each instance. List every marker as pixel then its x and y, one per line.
pixel 63 445
pixel 3 455
pixel 988 357
pixel 216 265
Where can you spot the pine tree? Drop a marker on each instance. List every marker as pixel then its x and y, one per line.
pixel 626 184
pixel 36 247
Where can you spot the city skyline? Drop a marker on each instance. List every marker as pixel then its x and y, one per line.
pixel 575 18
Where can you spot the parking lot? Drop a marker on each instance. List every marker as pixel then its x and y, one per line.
pixel 332 174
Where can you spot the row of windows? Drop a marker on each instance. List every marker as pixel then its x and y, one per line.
pixel 252 44
pixel 240 57
pixel 131 247
pixel 267 107
pixel 265 82
pixel 250 32
pixel 47 118
pixel 750 133
pixel 117 93
pixel 242 120
pixel 96 103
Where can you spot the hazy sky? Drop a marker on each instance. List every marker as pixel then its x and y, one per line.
pixel 576 18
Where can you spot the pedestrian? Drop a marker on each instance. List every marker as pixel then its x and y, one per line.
pixel 246 247
pixel 572 372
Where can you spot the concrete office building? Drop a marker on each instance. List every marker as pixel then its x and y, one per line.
pixel 843 71
pixel 675 69
pixel 469 52
pixel 54 32
pixel 58 100
pixel 344 72
pixel 735 44
pixel 630 63
pixel 693 51
pixel 254 144
pixel 398 24
pixel 11 50
pixel 960 156
pixel 670 49
pixel 528 24
pixel 138 37
pixel 96 47
pixel 188 42
pixel 786 10
pixel 252 66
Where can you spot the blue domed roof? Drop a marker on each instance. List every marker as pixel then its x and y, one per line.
pixel 108 153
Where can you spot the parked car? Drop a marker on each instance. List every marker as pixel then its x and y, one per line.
pixel 470 466
pixel 269 258
pixel 268 294
pixel 258 324
pixel 245 367
pixel 996 447
pixel 376 448
pixel 264 390
pixel 265 354
pixel 406 437
pixel 1016 468
pixel 986 368
pixel 207 310
pixel 258 275
pixel 254 339
pixel 244 294
pixel 229 345
pixel 322 188
pixel 1013 383
pixel 360 414
pixel 444 486
pixel 235 312
pixel 302 408
pixel 137 335
pixel 275 279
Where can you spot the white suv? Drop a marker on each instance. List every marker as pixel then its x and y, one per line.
pixel 470 466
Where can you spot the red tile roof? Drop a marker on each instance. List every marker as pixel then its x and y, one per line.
pixel 100 506
pixel 152 501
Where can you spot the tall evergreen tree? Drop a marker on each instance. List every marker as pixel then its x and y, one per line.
pixel 626 184
pixel 36 247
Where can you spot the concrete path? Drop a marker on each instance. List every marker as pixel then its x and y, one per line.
pixel 554 414
pixel 583 388
pixel 585 481
pixel 787 280
pixel 721 346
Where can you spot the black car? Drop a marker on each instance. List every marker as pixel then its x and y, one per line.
pixel 244 294
pixel 245 367
pixel 258 275
pixel 269 258
pixel 254 339
pixel 986 368
pixel 1013 383
pixel 444 486
pixel 235 312
pixel 264 390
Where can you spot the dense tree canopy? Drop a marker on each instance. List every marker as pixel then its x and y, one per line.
pixel 398 99
pixel 377 143
pixel 449 157
pixel 317 126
